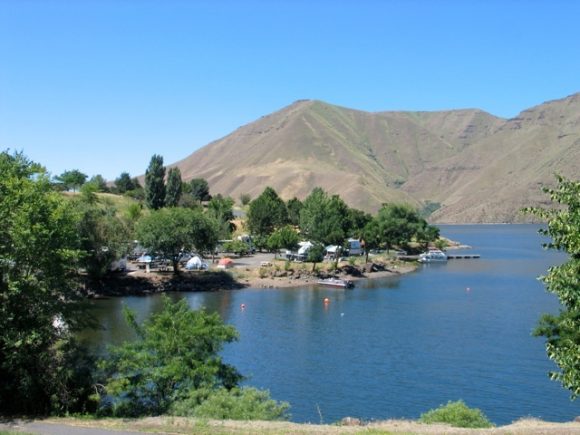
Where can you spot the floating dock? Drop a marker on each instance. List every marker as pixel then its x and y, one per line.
pixel 462 257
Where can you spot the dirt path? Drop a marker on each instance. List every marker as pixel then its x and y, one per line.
pixel 176 425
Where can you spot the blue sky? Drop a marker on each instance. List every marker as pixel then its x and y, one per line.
pixel 102 85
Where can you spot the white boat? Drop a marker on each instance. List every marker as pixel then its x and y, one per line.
pixel 336 282
pixel 433 256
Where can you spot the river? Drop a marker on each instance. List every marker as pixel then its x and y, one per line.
pixel 397 347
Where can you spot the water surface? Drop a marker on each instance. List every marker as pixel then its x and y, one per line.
pixel 396 347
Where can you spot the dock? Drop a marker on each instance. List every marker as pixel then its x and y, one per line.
pixel 463 256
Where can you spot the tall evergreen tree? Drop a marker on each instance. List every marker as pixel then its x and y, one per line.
pixel 174 187
pixel 155 183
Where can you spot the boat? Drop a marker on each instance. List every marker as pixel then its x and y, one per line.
pixel 433 256
pixel 336 282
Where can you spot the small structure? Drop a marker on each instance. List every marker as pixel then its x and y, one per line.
pixel 225 263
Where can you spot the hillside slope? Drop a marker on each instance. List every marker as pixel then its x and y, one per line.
pixel 480 168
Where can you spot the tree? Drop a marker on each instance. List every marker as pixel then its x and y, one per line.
pixel 399 223
pixel 99 182
pixel 371 235
pixel 283 238
pixel 266 213
pixel 245 199
pixel 168 231
pixel 324 219
pixel 103 235
pixel 357 220
pixel 124 183
pixel 294 206
pixel 155 183
pixel 175 358
pixel 72 179
pixel 39 259
pixel 562 331
pixel 220 209
pixel 174 187
pixel 199 189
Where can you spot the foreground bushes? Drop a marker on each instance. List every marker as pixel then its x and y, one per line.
pixel 235 404
pixel 456 414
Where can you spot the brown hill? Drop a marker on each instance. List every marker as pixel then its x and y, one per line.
pixel 480 168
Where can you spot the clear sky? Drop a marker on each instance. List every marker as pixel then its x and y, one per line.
pixel 101 85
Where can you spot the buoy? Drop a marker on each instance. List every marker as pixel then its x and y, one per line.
pixel 326 300
pixel 243 306
pixel 467 289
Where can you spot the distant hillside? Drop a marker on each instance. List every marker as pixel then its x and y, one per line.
pixel 478 167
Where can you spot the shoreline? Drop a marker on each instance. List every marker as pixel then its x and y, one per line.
pixel 139 283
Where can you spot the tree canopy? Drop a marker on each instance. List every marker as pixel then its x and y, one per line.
pixel 155 183
pixel 72 179
pixel 562 331
pixel 324 219
pixel 199 189
pixel 173 188
pixel 266 213
pixel 39 257
pixel 175 358
pixel 168 231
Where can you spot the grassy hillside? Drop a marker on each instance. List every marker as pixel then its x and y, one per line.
pixel 479 167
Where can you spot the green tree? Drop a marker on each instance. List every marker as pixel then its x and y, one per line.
pixel 562 331
pixel 220 209
pixel 315 254
pixel 72 179
pixel 357 220
pixel 199 189
pixel 99 182
pixel 294 206
pixel 173 188
pixel 371 235
pixel 103 235
pixel 283 238
pixel 175 358
pixel 245 199
pixel 39 259
pixel 155 183
pixel 324 219
pixel 125 183
pixel 168 231
pixel 399 223
pixel 426 233
pixel 266 213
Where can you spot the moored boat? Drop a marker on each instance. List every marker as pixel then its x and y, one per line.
pixel 433 256
pixel 336 282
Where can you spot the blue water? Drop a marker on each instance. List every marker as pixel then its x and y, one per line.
pixel 397 347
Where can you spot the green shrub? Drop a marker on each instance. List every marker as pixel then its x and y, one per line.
pixel 235 404
pixel 456 414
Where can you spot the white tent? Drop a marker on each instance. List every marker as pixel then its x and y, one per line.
pixel 194 263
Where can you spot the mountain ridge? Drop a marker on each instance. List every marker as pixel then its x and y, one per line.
pixel 478 167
